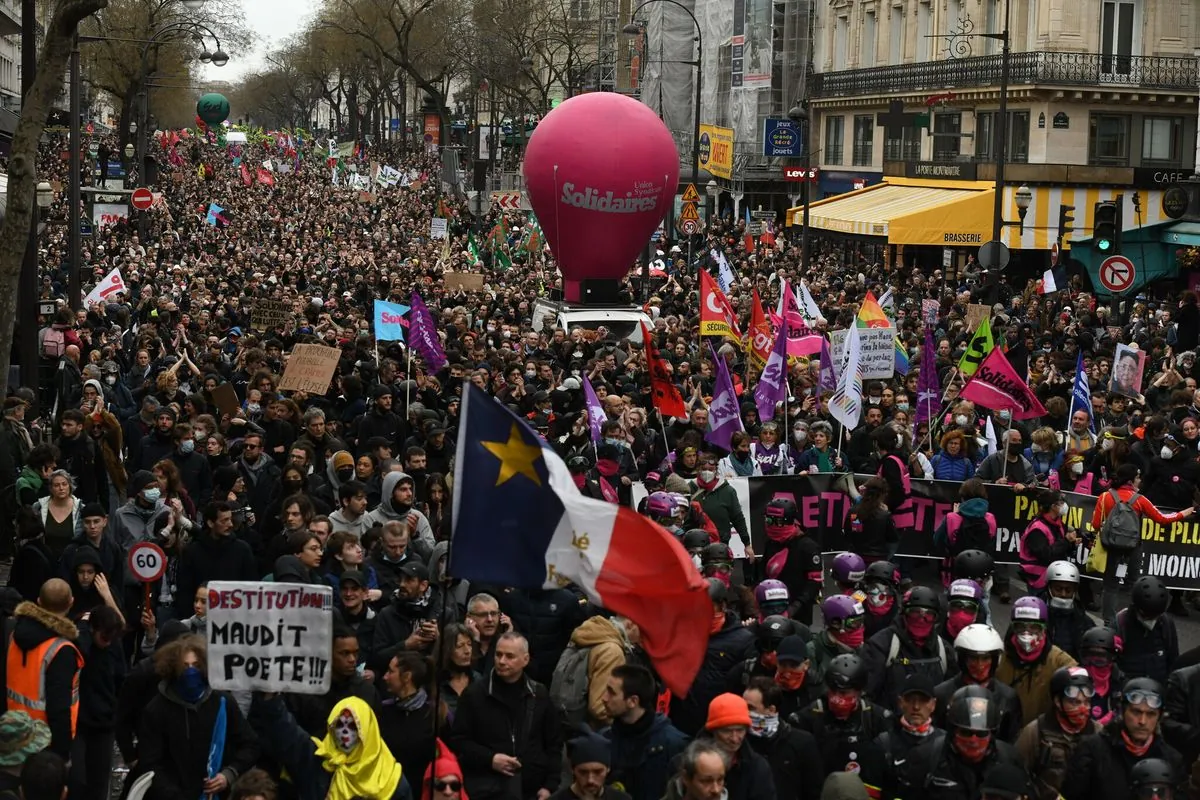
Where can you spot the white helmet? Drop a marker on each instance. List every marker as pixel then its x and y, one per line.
pixel 979 638
pixel 1062 572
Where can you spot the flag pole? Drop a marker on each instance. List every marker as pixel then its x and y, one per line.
pixel 407 379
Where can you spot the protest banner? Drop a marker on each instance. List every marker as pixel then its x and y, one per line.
pixel 1171 552
pixel 268 313
pixel 878 350
pixel 225 398
pixel 801 341
pixel 310 369
pixel 976 313
pixel 929 311
pixel 270 637
pixel 466 281
pixel 105 215
pixel 104 291
pixel 438 228
pixel 1128 365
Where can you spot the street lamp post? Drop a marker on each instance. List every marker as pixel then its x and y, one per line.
pixel 1002 127
pixel 799 115
pixel 74 192
pixel 712 189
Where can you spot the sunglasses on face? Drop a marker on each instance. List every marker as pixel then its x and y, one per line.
pixel 1139 697
pixel 849 624
pixel 447 786
pixel 972 734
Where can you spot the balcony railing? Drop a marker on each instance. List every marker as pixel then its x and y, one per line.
pixel 1031 68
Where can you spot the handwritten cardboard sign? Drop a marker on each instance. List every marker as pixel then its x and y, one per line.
pixel 467 281
pixel 977 313
pixel 878 350
pixel 310 369
pixel 270 637
pixel 268 313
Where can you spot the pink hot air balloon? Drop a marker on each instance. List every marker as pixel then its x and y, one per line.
pixel 601 171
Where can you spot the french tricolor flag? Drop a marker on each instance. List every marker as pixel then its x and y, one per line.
pixel 520 521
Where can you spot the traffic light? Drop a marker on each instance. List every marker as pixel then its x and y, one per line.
pixel 1106 227
pixel 1066 221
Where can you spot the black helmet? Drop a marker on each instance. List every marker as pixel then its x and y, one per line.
pixel 577 465
pixel 923 597
pixel 1135 688
pixel 780 511
pixel 884 571
pixel 695 540
pixel 974 708
pixel 846 671
pixel 715 552
pixel 1069 676
pixel 1150 596
pixel 1099 638
pixel 974 564
pixel 773 630
pixel 1151 771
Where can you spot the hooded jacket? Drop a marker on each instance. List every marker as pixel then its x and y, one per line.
pixel 263 484
pixel 131 523
pixel 608 646
pixel 1099 766
pixel 33 626
pixel 84 599
pixel 643 753
pixel 458 591
pixel 422 535
pixel 1031 679
pixel 722 506
pixel 726 648
pixel 397 621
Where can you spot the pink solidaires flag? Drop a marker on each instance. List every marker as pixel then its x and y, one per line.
pixel 996 385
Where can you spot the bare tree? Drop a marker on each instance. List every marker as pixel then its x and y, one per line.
pixel 22 165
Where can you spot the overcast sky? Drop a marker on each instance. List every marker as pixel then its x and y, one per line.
pixel 272 21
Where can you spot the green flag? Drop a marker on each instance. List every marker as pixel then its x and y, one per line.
pixel 472 249
pixel 977 349
pixel 502 259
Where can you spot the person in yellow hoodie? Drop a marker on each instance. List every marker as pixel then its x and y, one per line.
pixel 350 763
pixel 604 643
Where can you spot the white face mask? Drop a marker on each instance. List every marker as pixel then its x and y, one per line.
pixel 1004 416
pixel 1077 468
pixel 800 434
pixel 960 420
pixel 1166 453
pixel 1106 445
pixel 1063 508
pixel 873 400
pixel 345 731
pixel 1062 602
pixel 1028 642
pixel 110 380
pixel 1035 448
pixel 707 476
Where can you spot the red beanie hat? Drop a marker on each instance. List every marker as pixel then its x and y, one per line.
pixel 445 764
pixel 725 710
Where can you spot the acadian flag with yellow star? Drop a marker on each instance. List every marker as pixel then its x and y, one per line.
pixel 520 521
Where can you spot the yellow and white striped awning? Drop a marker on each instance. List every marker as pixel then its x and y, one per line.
pixel 1041 219
pixel 869 211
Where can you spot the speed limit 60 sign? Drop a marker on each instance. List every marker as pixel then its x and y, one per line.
pixel 147 562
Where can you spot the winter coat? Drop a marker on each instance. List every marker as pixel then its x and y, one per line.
pixel 1046 748
pixel 513 719
pixel 1004 695
pixel 31 626
pixel 154 447
pixel 727 647
pixel 422 534
pixel 722 506
pixel 1032 679
pixel 1181 720
pixel 207 558
pixel 312 710
pixel 795 762
pixel 196 476
pixel 933 771
pixel 607 647
pixel 642 754
pixel 112 557
pixel 750 777
pixel 396 622
pixel 952 468
pixel 264 485
pixel 131 523
pixel 547 618
pixel 883 679
pixel 33 565
pixel 1098 769
pixel 408 734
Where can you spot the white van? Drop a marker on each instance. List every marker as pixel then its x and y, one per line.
pixel 623 322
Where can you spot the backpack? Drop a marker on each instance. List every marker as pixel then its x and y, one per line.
pixel 569 686
pixel 894 651
pixel 969 533
pixel 1122 529
pixel 54 343
pixel 1169 632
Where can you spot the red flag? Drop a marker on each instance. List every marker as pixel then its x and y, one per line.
pixel 716 315
pixel 749 242
pixel 246 178
pixel 996 385
pixel 760 332
pixel 667 398
pixel 265 177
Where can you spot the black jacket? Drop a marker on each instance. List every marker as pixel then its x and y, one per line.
pixel 137 690
pixel 196 475
pixel 375 423
pixel 1011 718
pixel 112 558
pixel 514 719
pixel 32 566
pixel 1181 720
pixel 98 680
pixel 1098 768
pixel 174 739
pixel 750 777
pixel 883 680
pixel 80 457
pixel 408 734
pixel 933 771
pixel 154 447
pixel 263 486
pixel 547 618
pixel 30 627
pixel 210 559
pixel 843 741
pixel 727 647
pixel 643 754
pixel 396 623
pixel 795 762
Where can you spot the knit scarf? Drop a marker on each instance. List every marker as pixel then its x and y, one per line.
pixel 1135 749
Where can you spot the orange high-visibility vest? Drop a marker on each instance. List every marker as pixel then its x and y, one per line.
pixel 27 678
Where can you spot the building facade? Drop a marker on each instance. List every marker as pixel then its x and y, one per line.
pixel 1101 103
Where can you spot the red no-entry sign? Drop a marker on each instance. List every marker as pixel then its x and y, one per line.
pixel 142 198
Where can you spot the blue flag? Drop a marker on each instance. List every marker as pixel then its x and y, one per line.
pixel 389 321
pixel 216 747
pixel 1081 394
pixel 215 216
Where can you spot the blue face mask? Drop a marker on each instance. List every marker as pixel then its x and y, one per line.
pixel 191 685
pixel 152 495
pixel 617 442
pixel 187 446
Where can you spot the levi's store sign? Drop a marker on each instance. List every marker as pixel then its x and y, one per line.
pixel 797 174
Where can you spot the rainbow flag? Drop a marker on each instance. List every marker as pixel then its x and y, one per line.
pixel 871 315
pixel 901 358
